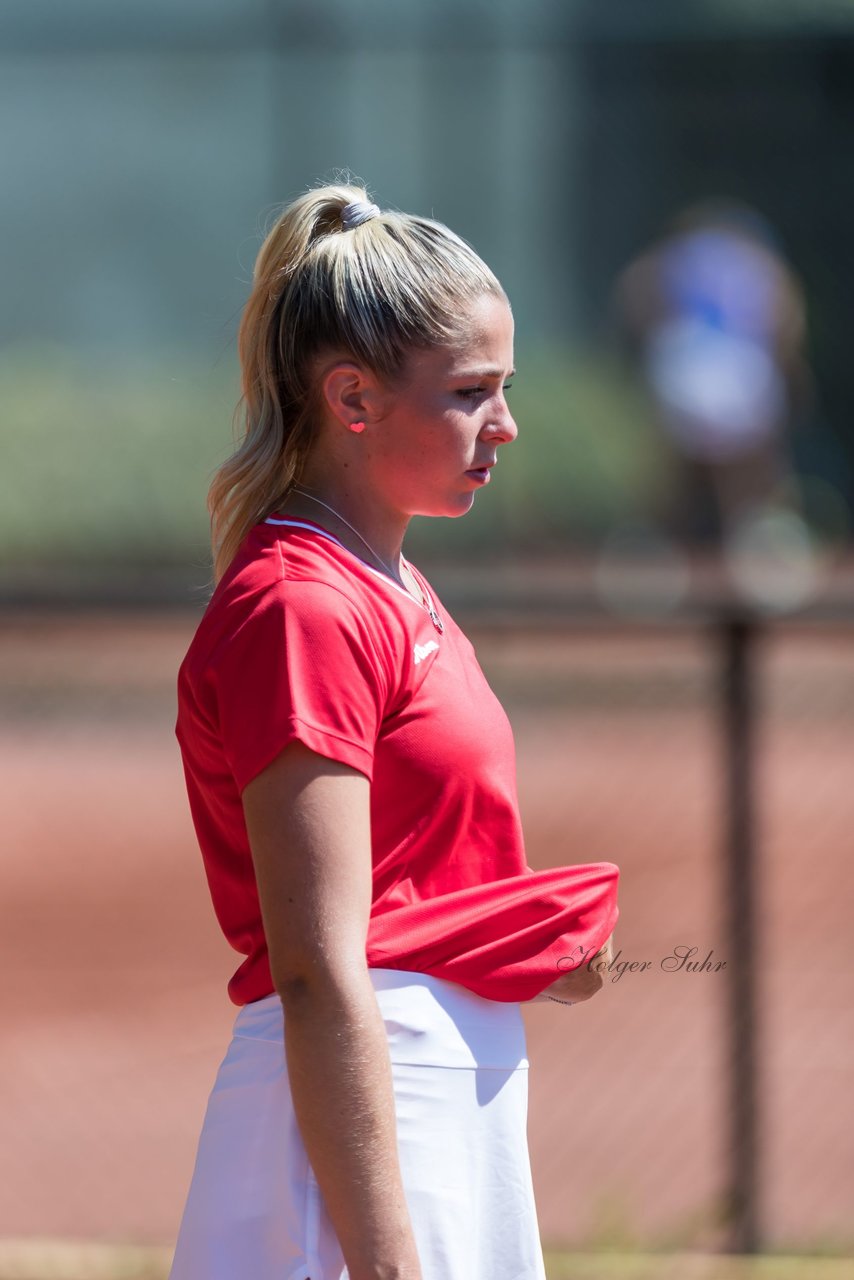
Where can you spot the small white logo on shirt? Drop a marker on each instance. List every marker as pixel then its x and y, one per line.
pixel 422 650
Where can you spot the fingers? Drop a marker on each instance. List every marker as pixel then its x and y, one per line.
pixel 584 982
pixel 581 984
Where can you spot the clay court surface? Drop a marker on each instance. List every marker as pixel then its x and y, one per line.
pixel 116 1012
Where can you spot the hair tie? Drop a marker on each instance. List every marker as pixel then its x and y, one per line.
pixel 354 214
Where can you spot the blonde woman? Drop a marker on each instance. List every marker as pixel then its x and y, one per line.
pixel 351 778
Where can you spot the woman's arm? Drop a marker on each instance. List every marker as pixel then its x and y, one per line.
pixel 308 820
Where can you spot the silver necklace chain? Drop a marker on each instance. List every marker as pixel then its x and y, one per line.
pixel 427 604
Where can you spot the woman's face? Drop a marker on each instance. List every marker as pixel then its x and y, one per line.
pixel 440 427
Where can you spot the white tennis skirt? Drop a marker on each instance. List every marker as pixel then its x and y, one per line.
pixel 460 1071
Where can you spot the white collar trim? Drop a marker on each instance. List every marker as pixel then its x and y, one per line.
pixel 383 577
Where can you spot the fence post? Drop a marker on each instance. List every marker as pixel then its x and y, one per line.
pixel 738 631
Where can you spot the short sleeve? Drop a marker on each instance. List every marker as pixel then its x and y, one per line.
pixel 303 665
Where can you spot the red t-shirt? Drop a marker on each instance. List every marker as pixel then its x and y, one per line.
pixel 302 639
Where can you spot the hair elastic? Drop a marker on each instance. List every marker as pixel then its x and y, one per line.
pixel 357 212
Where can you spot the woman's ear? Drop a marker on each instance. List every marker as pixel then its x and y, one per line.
pixel 351 393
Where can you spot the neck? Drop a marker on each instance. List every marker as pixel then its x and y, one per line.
pixel 382 531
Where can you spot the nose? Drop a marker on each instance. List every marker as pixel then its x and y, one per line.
pixel 502 428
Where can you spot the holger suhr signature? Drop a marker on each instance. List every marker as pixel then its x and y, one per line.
pixel 682 959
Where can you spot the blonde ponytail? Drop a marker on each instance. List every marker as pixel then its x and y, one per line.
pixel 373 287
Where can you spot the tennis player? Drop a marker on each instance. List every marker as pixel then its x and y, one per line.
pixel 351 778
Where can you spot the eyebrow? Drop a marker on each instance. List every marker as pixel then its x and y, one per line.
pixel 484 373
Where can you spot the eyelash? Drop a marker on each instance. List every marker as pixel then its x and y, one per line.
pixel 469 393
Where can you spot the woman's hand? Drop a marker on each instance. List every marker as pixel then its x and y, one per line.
pixel 578 985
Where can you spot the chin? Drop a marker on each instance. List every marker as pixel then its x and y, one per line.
pixel 460 508
pixel 452 509
pixel 461 503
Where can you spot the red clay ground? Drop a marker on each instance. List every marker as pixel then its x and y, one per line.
pixel 116 1014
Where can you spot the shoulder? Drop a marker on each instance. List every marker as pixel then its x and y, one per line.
pixel 288 586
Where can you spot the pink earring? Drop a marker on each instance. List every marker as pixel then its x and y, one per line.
pixel 357 426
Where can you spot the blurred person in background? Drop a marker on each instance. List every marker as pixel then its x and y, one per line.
pixel 351 777
pixel 716 321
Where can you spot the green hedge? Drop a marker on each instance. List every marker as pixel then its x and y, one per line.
pixel 107 461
